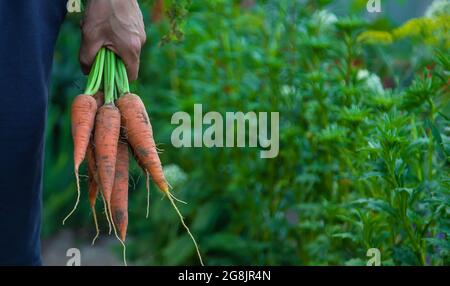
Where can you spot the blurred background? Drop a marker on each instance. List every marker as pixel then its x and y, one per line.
pixel 364 136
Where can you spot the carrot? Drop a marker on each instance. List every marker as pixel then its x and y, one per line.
pixel 119 196
pixel 92 185
pixel 84 108
pixel 93 176
pixel 107 130
pixel 139 134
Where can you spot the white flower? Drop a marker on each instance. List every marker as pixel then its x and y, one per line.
pixel 324 18
pixel 438 8
pixel 371 80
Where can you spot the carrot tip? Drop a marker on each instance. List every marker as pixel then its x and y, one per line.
pixel 94 214
pixel 148 194
pixel 118 238
pixel 106 214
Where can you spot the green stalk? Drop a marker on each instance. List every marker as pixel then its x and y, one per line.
pixel 121 77
pixel 109 77
pixel 125 77
pixel 99 79
pixel 113 71
pixel 106 85
pixel 95 74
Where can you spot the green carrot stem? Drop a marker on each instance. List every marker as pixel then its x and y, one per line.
pixel 119 78
pixel 113 71
pixel 106 86
pixel 99 77
pixel 109 77
pixel 123 71
pixel 93 74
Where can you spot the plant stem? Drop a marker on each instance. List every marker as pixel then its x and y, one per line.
pixel 121 77
pixel 99 77
pixel 109 77
pixel 94 79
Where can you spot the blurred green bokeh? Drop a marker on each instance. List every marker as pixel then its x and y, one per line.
pixel 364 139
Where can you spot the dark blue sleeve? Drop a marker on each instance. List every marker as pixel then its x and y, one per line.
pixel 28 32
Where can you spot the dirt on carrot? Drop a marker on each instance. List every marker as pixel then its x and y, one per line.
pixel 139 133
pixel 107 131
pixel 119 196
pixel 92 185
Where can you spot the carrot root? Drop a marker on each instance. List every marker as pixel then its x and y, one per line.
pixel 78 198
pixel 106 214
pixel 172 201
pixel 94 214
pixel 124 248
pixel 148 194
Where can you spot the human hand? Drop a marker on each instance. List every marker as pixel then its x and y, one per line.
pixel 117 25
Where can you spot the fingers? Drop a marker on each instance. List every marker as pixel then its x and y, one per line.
pixel 90 45
pixel 117 25
pixel 130 53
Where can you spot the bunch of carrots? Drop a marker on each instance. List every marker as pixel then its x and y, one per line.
pixel 105 126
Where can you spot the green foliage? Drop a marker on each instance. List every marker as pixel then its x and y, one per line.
pixel 360 165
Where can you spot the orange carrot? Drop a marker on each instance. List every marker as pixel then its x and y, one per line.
pixel 93 176
pixel 92 166
pixel 92 173
pixel 139 134
pixel 119 196
pixel 92 185
pixel 107 130
pixel 84 108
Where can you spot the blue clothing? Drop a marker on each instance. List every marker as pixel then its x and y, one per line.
pixel 28 32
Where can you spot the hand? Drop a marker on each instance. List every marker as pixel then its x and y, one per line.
pixel 117 25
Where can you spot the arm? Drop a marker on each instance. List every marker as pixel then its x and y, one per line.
pixel 117 25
